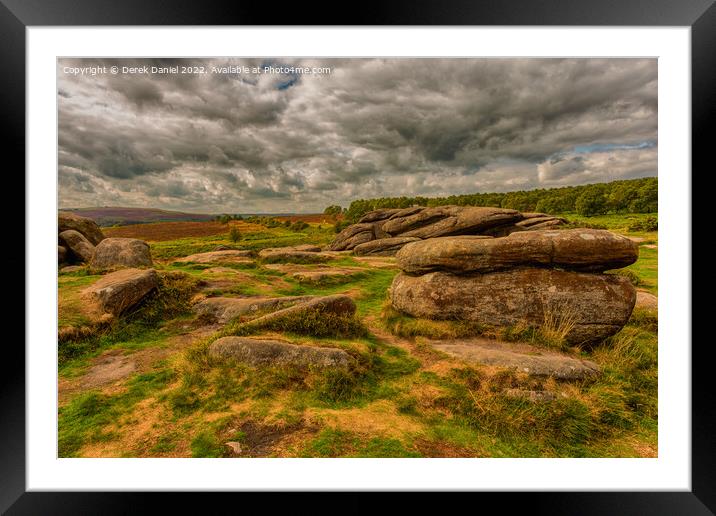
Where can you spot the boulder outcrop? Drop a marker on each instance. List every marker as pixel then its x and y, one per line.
pixel 121 252
pixel 590 306
pixel 422 222
pixel 533 278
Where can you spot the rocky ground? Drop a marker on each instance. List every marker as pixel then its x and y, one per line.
pixel 178 349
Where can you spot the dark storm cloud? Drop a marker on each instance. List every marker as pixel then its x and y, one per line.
pixel 372 127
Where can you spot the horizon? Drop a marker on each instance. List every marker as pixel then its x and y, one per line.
pixel 294 142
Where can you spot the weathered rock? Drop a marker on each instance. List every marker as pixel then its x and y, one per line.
pixel 81 248
pixel 226 256
pixel 538 219
pixel 590 306
pixel 259 352
pixel 352 236
pixel 519 356
pixel 533 396
pixel 292 255
pixel 327 274
pixel 383 246
pixel 61 254
pixel 339 304
pixel 381 214
pixel 646 300
pixel 309 248
pixel 223 309
pixel 577 249
pixel 87 227
pixel 71 268
pixel 121 252
pixel 119 291
pixel 449 220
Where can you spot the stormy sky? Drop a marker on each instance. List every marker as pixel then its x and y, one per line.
pixel 287 140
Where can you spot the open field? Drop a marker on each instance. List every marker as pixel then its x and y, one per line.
pixel 145 386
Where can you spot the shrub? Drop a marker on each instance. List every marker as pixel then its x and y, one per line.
pixel 234 234
pixel 299 225
pixel 340 226
pixel 650 223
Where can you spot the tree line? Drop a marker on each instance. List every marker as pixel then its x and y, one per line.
pixel 624 196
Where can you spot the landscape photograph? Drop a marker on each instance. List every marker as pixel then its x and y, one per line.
pixel 357 257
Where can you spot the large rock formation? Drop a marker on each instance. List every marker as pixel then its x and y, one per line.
pixel 423 223
pixel 576 249
pixel 121 252
pixel 514 280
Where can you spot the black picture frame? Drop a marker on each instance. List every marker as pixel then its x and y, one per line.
pixel 17 15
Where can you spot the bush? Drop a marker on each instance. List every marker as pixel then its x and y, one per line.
pixel 340 226
pixel 299 225
pixel 234 235
pixel 648 224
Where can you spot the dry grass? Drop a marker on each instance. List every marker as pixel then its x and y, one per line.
pixel 163 231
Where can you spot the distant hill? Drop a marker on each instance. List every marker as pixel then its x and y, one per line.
pixel 125 216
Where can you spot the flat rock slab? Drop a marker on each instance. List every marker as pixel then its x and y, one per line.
pixel 521 357
pixel 327 274
pixel 383 246
pixel 339 304
pixel 646 300
pixel 259 352
pixel 591 306
pixel 109 368
pixel 223 309
pixel 309 248
pixel 118 291
pixel 576 249
pixel 289 254
pixel 229 256
pixel 111 253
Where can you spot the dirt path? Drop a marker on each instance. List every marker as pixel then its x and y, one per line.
pixel 109 370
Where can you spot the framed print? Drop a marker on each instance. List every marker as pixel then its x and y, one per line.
pixel 416 253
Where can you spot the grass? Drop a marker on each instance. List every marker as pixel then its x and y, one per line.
pixel 340 443
pixel 646 269
pixel 86 418
pixel 138 329
pixel 431 405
